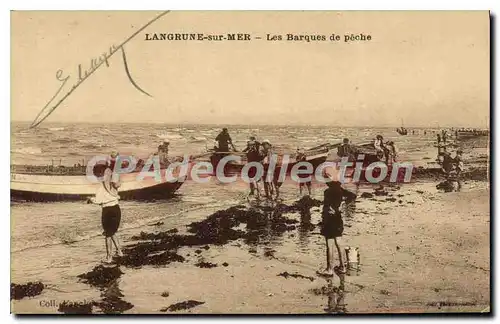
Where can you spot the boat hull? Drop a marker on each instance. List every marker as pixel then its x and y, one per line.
pixel 319 159
pixel 45 188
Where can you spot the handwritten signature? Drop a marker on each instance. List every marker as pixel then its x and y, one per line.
pixel 85 73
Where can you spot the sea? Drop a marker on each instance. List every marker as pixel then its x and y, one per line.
pixel 36 226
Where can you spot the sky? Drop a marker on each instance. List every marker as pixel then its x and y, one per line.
pixel 423 69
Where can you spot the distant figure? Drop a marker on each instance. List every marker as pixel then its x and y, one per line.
pixel 301 157
pixel 425 132
pixel 440 153
pixel 444 136
pixel 458 162
pixel 332 225
pixel 413 132
pixel 392 154
pixel 253 155
pixel 107 197
pixel 224 141
pixel 163 152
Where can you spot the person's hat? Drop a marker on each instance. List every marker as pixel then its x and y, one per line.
pixel 266 141
pixel 113 154
pixel 252 138
pixel 224 129
pixel 346 140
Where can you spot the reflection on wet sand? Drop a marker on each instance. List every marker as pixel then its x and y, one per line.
pixel 106 279
pixel 335 295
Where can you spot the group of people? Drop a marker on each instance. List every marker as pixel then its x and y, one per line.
pixel 332 224
pixel 261 152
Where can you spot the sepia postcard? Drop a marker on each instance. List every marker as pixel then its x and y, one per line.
pixel 250 162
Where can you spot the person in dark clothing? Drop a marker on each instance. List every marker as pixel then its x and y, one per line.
pixel 346 150
pixel 253 155
pixel 163 152
pixel 458 162
pixel 447 163
pixel 252 144
pixel 224 141
pixel 332 225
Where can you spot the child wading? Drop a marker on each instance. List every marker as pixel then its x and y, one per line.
pixel 107 197
pixel 332 224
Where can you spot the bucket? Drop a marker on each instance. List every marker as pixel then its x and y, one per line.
pixel 353 261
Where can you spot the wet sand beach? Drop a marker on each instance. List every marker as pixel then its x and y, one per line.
pixel 207 250
pixel 422 250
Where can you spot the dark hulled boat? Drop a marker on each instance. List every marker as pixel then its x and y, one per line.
pixel 317 156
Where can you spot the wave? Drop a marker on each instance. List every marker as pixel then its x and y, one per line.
pixel 27 150
pixel 63 140
pixel 104 131
pixel 56 129
pixel 197 139
pixel 169 136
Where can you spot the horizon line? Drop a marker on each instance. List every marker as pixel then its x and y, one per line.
pixel 259 124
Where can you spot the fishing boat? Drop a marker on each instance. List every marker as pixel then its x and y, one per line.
pixel 316 156
pixel 44 184
pixel 401 130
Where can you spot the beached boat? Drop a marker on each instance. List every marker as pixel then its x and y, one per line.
pixel 36 183
pixel 316 156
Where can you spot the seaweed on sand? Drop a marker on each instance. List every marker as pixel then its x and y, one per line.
pixel 101 276
pixel 30 289
pixel 219 228
pixel 182 306
pixel 75 307
pixel 294 275
pixel 207 265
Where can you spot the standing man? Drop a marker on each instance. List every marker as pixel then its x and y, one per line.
pixel 301 157
pixel 163 152
pixel 224 141
pixel 345 150
pixel 252 152
pixel 332 225
pixel 392 153
pixel 273 184
pixel 380 147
